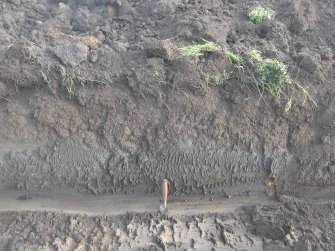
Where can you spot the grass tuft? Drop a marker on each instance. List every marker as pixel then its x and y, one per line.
pixel 272 74
pixel 198 49
pixel 267 74
pixel 256 55
pixel 235 59
pixel 260 14
pixel 216 80
pixel 69 80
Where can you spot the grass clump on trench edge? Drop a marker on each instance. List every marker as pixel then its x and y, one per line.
pixel 272 76
pixel 198 49
pixel 192 50
pixel 260 14
pixel 268 74
pixel 216 80
pixel 234 58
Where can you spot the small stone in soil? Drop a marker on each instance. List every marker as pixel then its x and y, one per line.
pixel 24 197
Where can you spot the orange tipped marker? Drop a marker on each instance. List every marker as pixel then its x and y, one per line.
pixel 165 191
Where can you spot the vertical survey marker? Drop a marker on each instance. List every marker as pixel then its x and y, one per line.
pixel 165 192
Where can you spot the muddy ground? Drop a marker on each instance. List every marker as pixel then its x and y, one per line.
pixel 96 99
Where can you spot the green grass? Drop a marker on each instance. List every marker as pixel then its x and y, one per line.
pixel 260 14
pixel 272 74
pixel 235 59
pixel 69 80
pixel 256 55
pixel 216 80
pixel 192 50
pixel 267 74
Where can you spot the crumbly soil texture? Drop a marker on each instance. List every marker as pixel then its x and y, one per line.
pixel 97 101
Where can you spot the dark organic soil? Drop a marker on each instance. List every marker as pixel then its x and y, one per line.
pixel 95 98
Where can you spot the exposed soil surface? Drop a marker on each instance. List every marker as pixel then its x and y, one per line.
pixel 97 107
